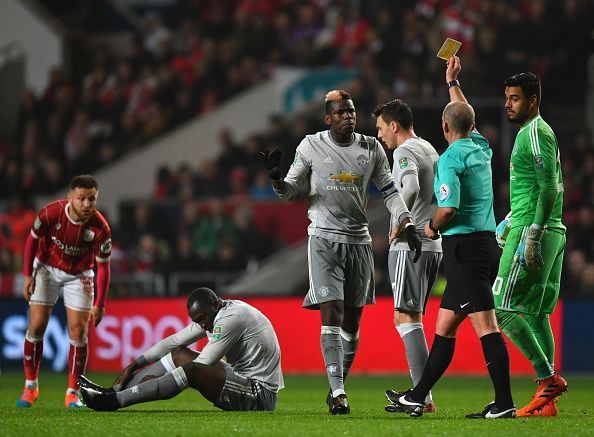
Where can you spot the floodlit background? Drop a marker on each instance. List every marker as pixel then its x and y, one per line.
pixel 168 102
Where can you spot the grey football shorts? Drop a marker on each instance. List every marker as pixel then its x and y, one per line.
pixel 412 282
pixel 244 394
pixel 339 271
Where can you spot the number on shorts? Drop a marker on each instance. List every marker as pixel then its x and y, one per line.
pixel 497 286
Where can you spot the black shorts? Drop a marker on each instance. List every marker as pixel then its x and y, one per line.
pixel 471 262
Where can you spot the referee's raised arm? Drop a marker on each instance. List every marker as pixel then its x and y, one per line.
pixel 454 87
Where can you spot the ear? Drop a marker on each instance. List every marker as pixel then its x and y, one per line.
pixel 395 126
pixel 327 119
pixel 533 102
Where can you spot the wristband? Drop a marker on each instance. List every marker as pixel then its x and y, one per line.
pixel 454 83
pixel 141 361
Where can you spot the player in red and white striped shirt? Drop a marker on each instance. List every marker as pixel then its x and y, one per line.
pixel 67 239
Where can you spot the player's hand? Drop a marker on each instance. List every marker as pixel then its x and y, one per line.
pixel 430 233
pixel 97 314
pixel 413 240
pixel 272 163
pixel 503 229
pixel 395 233
pixel 453 69
pixel 529 252
pixel 122 380
pixel 28 287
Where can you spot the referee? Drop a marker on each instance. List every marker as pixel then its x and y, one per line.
pixel 465 219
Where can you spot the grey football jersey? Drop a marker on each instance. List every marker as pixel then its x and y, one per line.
pixel 339 176
pixel 414 166
pixel 247 339
pixel 242 334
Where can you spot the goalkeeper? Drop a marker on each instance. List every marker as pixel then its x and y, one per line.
pixel 533 238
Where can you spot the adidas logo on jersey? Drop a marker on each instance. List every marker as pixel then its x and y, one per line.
pixel 327 160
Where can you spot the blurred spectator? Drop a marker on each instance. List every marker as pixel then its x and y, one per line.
pixel 184 258
pixel 216 226
pixel 151 255
pixel 186 62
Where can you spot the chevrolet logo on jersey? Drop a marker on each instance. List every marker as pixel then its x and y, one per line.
pixel 345 177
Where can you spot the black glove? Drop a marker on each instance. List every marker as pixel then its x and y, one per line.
pixel 272 163
pixel 413 240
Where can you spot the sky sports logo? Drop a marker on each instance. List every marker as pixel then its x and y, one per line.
pixel 56 344
pixel 119 339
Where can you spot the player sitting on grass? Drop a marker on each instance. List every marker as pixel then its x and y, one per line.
pixel 249 380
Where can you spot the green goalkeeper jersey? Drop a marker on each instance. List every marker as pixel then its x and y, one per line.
pixel 535 178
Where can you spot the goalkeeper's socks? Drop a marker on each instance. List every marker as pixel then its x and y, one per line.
pixel 541 327
pixel 521 335
pixel 333 354
pixel 165 387
pixel 350 343
pixel 438 361
pixel 497 359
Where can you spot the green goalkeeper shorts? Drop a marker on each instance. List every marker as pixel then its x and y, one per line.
pixel 530 292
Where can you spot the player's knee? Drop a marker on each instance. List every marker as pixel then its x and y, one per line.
pixel 397 320
pixel 177 353
pixel 504 318
pixel 78 334
pixel 332 313
pixel 181 355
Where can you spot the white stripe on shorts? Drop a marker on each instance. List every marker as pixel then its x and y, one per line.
pixel 399 275
pixel 513 277
pixel 312 291
pixel 238 388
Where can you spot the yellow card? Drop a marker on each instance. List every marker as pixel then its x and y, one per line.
pixel 449 48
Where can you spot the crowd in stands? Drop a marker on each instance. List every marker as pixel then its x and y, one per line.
pixel 184 63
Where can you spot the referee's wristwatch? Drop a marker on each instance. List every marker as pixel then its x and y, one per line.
pixel 431 226
pixel 437 234
pixel 454 83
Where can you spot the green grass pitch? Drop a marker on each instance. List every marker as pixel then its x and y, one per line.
pixel 301 411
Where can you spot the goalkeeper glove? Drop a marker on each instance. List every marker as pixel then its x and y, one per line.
pixel 503 229
pixel 272 163
pixel 529 251
pixel 413 240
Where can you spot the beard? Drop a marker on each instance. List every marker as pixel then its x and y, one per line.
pixel 80 214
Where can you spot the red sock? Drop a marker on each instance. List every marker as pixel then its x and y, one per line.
pixel 32 352
pixel 77 363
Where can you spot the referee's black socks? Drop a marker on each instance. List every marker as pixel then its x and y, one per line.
pixel 439 359
pixel 497 359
